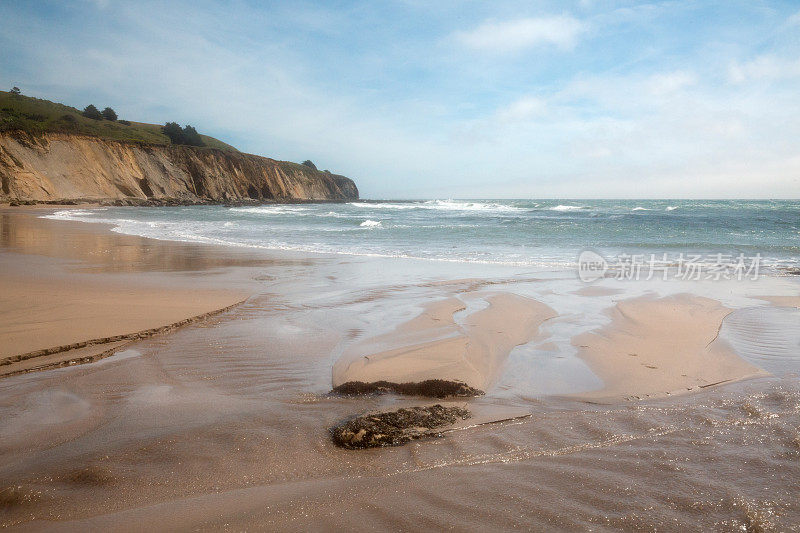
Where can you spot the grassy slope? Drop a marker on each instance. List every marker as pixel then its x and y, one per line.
pixel 42 116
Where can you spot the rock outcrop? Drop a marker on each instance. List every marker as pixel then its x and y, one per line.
pixel 434 388
pixel 394 428
pixel 54 167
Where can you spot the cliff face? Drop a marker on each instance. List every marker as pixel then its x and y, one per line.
pixel 65 167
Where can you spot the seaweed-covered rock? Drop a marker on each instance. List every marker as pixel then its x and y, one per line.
pixel 394 428
pixel 432 388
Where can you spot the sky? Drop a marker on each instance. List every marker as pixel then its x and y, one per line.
pixel 445 99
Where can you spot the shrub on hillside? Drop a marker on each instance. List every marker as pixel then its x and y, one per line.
pixel 109 114
pixel 12 122
pixel 91 112
pixel 191 137
pixel 36 117
pixel 309 164
pixel 178 135
pixel 66 122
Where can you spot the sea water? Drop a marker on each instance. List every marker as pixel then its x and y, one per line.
pixel 547 234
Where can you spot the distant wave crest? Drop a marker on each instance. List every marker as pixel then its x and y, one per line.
pixel 568 208
pixel 272 210
pixel 443 205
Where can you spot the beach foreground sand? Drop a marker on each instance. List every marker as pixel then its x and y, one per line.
pixel 222 423
pixel 51 313
pixel 434 346
pixel 657 347
pixel 44 321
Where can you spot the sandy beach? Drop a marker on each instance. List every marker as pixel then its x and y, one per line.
pixel 434 346
pixel 222 421
pixel 54 316
pixel 662 347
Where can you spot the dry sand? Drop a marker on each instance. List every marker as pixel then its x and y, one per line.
pixel 659 347
pixel 435 346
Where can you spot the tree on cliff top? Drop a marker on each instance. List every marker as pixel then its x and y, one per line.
pixel 174 132
pixel 308 163
pixel 191 137
pixel 91 112
pixel 178 135
pixel 109 114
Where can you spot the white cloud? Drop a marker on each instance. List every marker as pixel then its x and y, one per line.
pixel 525 108
pixel 670 82
pixel 766 67
pixel 675 133
pixel 515 35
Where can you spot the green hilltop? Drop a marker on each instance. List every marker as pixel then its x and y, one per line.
pixel 37 116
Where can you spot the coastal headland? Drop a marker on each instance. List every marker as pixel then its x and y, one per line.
pixel 52 153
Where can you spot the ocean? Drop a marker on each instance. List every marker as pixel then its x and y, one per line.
pixel 546 234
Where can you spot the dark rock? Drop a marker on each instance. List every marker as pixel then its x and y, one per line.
pixel 394 428
pixel 432 388
pixel 17 202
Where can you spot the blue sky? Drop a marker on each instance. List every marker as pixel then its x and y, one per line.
pixel 443 99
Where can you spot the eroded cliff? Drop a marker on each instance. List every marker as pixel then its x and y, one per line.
pixel 55 167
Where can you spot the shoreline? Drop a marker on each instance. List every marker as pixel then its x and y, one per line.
pixel 166 202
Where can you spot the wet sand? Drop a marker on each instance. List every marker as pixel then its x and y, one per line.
pixel 657 347
pixel 434 346
pixel 37 314
pixel 51 314
pixel 223 423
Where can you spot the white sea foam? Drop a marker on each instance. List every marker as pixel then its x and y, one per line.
pixel 370 224
pixel 452 205
pixel 443 205
pixel 72 214
pixel 273 210
pixel 672 207
pixel 334 214
pixel 568 208
pixel 640 209
pixel 386 205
